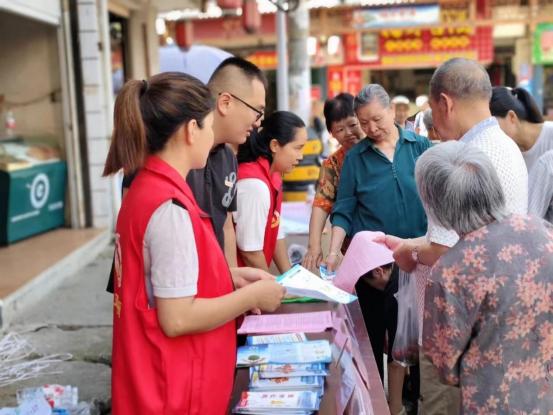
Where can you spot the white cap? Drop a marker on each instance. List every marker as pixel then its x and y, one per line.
pixel 400 99
pixel 421 100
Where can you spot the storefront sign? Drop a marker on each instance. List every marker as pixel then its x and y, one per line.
pixel 335 77
pixel 344 79
pixel 420 15
pixel 409 48
pixel 264 60
pixel 543 44
pixel 353 80
pixel 316 92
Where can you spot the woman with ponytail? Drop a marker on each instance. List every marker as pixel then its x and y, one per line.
pixel 174 332
pixel 521 119
pixel 267 154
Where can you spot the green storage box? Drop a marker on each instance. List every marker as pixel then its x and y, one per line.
pixel 32 200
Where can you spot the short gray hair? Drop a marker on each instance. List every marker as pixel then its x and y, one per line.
pixel 427 119
pixel 461 78
pixel 459 187
pixel 368 94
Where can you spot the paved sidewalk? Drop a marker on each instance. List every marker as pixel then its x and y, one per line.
pixel 75 319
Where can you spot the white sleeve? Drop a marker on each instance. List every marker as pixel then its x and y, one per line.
pixel 440 235
pixel 253 204
pixel 418 119
pixel 540 181
pixel 171 258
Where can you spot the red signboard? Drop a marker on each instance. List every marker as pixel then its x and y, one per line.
pixel 229 28
pixel 353 80
pixel 335 79
pixel 316 92
pixel 264 59
pixel 409 48
pixel 343 79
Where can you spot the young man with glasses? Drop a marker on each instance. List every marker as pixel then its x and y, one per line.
pixel 238 87
pixel 239 90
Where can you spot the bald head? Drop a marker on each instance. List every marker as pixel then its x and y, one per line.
pixel 461 79
pixel 236 75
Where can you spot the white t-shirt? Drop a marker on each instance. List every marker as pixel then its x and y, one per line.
pixel 419 123
pixel 543 143
pixel 253 205
pixel 509 166
pixel 540 181
pixel 170 256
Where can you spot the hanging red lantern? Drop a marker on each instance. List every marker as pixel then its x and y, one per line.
pixel 229 4
pixel 183 34
pixel 251 18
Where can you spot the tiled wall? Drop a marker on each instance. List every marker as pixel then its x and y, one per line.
pixel 95 101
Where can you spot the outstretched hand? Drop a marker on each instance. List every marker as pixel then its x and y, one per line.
pixel 402 249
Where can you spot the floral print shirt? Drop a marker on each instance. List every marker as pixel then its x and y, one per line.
pixel 329 178
pixel 488 319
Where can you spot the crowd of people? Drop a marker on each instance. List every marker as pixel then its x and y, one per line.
pixel 450 190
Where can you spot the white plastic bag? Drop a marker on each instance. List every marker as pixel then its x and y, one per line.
pixel 405 350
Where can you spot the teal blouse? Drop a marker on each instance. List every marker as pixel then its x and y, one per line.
pixel 376 194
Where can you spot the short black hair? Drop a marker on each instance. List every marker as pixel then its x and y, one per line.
pixel 369 275
pixel 338 108
pixel 250 70
pixel 517 100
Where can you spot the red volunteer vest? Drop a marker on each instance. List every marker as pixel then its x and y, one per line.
pixel 260 169
pixel 153 374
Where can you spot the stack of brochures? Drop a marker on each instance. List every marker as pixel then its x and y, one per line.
pixel 284 402
pixel 287 374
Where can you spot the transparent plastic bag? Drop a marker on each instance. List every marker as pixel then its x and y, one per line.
pixel 405 349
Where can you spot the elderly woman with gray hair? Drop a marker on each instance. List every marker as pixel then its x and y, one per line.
pixel 488 320
pixel 377 192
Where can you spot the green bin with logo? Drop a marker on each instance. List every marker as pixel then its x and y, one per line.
pixel 32 200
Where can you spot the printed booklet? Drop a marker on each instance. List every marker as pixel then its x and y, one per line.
pixel 276 338
pixel 292 370
pixel 316 351
pixel 283 402
pixel 314 383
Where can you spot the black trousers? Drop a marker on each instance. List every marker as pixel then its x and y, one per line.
pixel 379 310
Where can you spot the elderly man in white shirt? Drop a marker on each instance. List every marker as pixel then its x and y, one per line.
pixel 460 91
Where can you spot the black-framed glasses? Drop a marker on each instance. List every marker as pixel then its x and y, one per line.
pixel 258 112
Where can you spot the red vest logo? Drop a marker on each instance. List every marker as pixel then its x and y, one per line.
pixel 276 219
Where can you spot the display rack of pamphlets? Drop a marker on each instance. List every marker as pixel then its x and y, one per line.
pixel 326 373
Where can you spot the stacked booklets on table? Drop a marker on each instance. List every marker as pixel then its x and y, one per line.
pixel 314 383
pixel 283 402
pixel 286 376
pixel 315 351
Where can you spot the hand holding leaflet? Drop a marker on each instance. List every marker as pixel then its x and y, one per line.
pixel 302 282
pixel 362 256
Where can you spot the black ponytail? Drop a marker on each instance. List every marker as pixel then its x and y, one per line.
pixel 517 100
pixel 280 125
